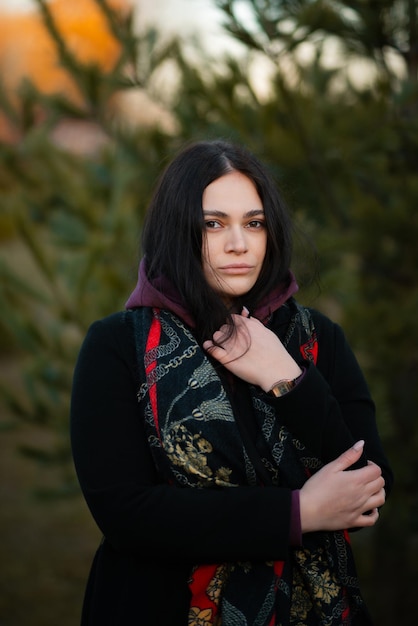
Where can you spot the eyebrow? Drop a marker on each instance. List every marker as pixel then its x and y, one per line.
pixel 252 213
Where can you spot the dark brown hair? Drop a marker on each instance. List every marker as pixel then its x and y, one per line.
pixel 174 226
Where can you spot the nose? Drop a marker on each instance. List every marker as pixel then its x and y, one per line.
pixel 236 240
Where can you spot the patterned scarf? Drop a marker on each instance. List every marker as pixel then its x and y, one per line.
pixel 195 443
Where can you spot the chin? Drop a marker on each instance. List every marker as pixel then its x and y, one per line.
pixel 232 299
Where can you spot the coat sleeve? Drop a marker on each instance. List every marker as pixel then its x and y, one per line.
pixel 331 408
pixel 136 512
pixel 350 390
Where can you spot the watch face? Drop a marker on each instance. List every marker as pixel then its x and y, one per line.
pixel 282 387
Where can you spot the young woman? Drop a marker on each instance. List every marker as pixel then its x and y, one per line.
pixel 213 421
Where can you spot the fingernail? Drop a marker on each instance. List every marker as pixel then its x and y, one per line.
pixel 245 311
pixel 358 445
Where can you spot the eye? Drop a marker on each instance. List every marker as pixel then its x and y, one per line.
pixel 211 224
pixel 256 224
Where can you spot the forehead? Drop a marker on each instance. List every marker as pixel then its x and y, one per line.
pixel 231 191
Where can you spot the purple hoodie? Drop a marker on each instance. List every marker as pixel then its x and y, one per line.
pixel 161 294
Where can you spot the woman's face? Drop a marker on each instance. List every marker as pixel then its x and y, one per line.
pixel 235 235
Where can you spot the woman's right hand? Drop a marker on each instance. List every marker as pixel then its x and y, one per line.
pixel 334 499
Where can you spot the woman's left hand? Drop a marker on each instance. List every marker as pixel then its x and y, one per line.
pixel 252 352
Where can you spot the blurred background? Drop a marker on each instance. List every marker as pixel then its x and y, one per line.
pixel 95 97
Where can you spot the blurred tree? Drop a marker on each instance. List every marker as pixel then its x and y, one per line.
pixel 71 211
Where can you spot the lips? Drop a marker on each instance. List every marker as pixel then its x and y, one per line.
pixel 236 268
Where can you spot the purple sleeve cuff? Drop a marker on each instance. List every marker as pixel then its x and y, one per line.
pixel 301 376
pixel 295 536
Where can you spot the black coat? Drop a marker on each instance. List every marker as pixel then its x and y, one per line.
pixel 153 532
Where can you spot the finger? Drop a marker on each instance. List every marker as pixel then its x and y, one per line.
pixel 218 354
pixel 373 503
pixel 369 518
pixel 373 464
pixel 378 499
pixel 245 312
pixel 349 457
pixel 375 473
pixel 376 485
pixel 219 336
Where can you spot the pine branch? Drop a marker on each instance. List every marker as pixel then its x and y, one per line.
pixel 121 28
pixel 46 266
pixel 87 76
pixel 68 59
pixel 7 107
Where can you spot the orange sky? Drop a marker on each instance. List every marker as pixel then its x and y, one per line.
pixel 26 48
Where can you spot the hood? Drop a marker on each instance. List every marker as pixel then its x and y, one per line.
pixel 161 294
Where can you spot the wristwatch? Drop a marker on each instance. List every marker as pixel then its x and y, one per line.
pixel 283 386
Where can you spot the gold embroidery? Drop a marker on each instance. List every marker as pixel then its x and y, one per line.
pixel 198 617
pixel 215 586
pixel 324 586
pixel 190 452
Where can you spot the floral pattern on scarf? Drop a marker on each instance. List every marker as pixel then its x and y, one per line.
pixel 196 443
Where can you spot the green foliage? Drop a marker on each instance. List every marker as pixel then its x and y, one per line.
pixel 70 226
